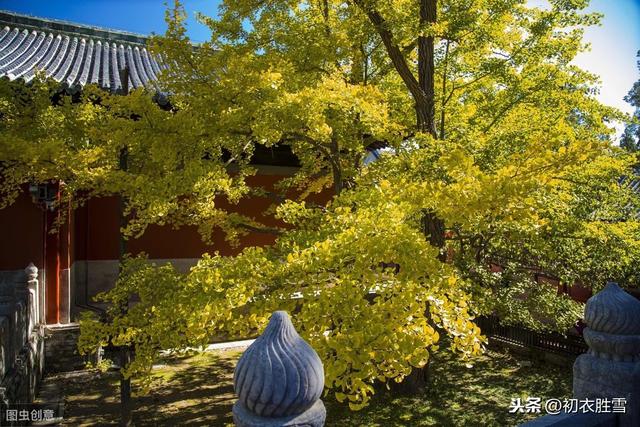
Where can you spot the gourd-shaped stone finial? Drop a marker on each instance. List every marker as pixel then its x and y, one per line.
pixel 611 368
pixel 279 379
pixel 613 325
pixel 31 271
pixel 613 311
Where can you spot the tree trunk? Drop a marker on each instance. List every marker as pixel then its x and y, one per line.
pixel 433 228
pixel 422 91
pixel 125 390
pixel 417 380
pixel 425 108
pixel 125 351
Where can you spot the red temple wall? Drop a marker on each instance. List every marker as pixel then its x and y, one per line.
pixel 87 246
pixel 96 230
pixel 21 228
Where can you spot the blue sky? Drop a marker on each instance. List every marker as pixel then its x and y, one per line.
pixel 138 16
pixel 613 49
pixel 612 57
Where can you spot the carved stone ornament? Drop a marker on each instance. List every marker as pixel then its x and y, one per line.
pixel 279 380
pixel 611 367
pixel 31 271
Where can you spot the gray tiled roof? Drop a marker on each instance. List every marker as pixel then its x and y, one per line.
pixel 73 54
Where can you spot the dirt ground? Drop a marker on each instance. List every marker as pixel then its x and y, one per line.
pixel 195 391
pixel 198 391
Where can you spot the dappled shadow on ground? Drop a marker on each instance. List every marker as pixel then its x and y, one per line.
pixel 187 391
pixel 90 398
pixel 198 391
pixel 459 395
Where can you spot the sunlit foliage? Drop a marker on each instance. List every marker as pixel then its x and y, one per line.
pixel 518 166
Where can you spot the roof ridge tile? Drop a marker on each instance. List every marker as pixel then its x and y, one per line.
pixel 73 54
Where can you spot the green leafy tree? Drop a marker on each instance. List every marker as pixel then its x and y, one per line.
pixel 499 153
pixel 631 136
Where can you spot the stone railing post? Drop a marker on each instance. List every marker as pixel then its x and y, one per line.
pixel 611 367
pixel 34 296
pixel 279 380
pixel 7 309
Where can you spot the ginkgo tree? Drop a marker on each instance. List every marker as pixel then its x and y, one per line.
pixel 498 153
pixel 631 136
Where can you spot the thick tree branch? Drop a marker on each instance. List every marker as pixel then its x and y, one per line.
pixel 395 54
pixel 444 89
pixel 263 230
pixel 426 69
pixel 330 151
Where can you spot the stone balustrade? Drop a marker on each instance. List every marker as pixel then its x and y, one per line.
pixel 21 336
pixel 611 368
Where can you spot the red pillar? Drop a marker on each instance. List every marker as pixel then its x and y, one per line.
pixel 52 265
pixel 64 289
pixel 52 268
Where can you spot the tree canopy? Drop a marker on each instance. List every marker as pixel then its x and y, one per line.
pixel 631 136
pixel 497 150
